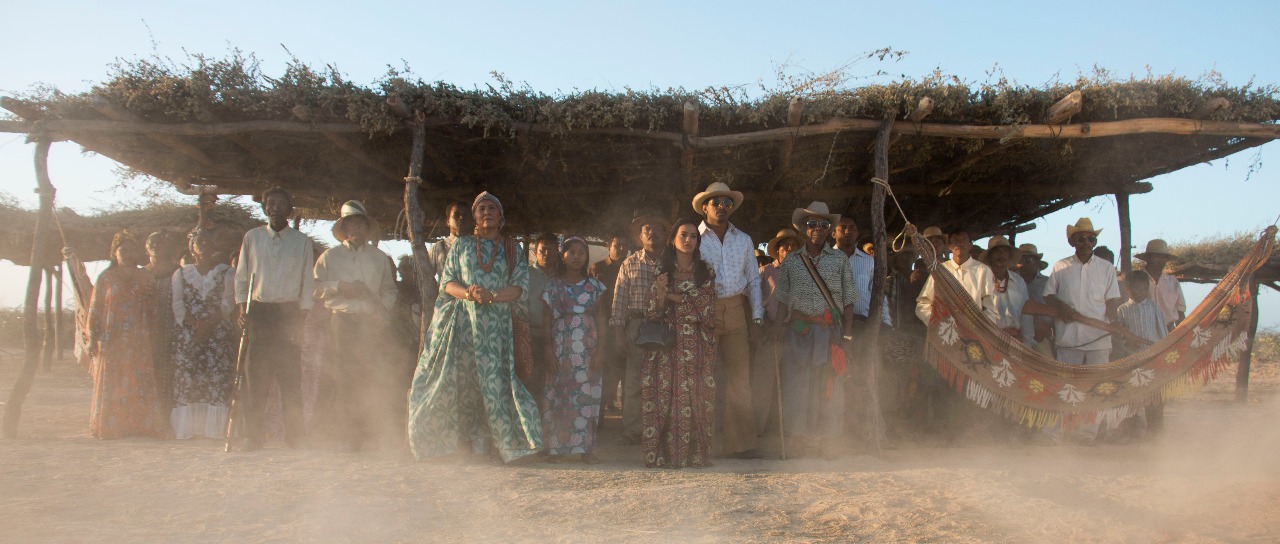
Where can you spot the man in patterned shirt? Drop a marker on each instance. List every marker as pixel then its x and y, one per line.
pixel 812 380
pixel 732 254
pixel 630 300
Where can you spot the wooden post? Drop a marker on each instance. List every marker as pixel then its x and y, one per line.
pixel 880 238
pixel 49 339
pixel 1126 234
pixel 30 331
pixel 1064 109
pixel 413 212
pixel 687 150
pixel 1246 359
pixel 57 306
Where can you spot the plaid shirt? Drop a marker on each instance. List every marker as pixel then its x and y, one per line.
pixel 631 292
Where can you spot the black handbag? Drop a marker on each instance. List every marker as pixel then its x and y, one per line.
pixel 654 334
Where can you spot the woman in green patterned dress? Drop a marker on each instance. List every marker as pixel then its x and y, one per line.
pixel 465 396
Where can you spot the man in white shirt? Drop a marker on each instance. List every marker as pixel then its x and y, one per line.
pixel 357 283
pixel 863 266
pixel 974 277
pixel 731 253
pixel 1081 285
pixel 280 261
pixel 1165 289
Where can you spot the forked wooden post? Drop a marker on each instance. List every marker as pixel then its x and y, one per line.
pixel 57 307
pixel 30 330
pixel 1246 358
pixel 687 150
pixel 1126 234
pixel 413 212
pixel 880 239
pixel 49 338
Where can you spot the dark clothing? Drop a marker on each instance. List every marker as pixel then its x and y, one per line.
pixel 275 353
pixel 368 388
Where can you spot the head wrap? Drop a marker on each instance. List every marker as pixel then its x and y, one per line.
pixel 565 244
pixel 486 195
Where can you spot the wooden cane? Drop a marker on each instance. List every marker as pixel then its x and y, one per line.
pixel 777 379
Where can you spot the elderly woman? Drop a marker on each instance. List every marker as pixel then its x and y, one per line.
pixel 121 320
pixel 465 394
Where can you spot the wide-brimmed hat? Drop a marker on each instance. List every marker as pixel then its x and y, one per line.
pixel 1015 254
pixel 783 234
pixel 352 208
pixel 814 208
pixel 714 190
pixel 644 217
pixel 1156 247
pixel 930 232
pixel 1083 225
pixel 1030 249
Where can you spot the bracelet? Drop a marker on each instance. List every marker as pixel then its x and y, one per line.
pixel 848 337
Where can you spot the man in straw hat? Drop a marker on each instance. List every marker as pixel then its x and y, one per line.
pixel 765 360
pixel 630 301
pixel 280 259
pixel 1037 330
pixel 739 310
pixel 1010 290
pixel 1165 288
pixel 357 284
pixel 817 293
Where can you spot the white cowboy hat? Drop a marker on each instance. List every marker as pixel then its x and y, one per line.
pixel 349 209
pixel 714 190
pixel 814 208
pixel 783 234
pixel 1157 246
pixel 1083 225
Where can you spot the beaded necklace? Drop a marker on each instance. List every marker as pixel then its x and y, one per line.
pixel 486 266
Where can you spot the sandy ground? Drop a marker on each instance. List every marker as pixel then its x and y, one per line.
pixel 1215 477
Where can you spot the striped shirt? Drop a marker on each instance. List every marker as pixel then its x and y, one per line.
pixel 631 291
pixel 797 289
pixel 1144 319
pixel 863 266
pixel 734 260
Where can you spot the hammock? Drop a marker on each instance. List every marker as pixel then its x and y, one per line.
pixel 998 372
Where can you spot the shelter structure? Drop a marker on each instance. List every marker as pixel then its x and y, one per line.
pixel 991 158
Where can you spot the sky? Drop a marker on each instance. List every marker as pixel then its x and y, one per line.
pixel 567 46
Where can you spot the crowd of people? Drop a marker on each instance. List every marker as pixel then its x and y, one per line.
pixel 704 342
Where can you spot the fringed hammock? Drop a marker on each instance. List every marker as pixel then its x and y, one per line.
pixel 998 372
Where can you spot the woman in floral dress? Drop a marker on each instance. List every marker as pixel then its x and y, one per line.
pixel 678 388
pixel 465 396
pixel 121 317
pixel 202 305
pixel 574 378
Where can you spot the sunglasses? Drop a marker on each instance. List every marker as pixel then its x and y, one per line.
pixel 723 202
pixel 1086 238
pixel 817 224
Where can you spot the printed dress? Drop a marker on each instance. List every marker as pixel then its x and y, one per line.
pixel 125 401
pixel 465 386
pixel 573 391
pixel 677 385
pixel 203 361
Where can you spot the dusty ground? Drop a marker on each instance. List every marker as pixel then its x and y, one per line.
pixel 1215 477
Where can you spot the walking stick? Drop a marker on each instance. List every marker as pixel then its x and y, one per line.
pixel 241 379
pixel 777 379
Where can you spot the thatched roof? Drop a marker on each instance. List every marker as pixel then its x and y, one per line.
pixel 989 157
pixel 91 235
pixel 1207 260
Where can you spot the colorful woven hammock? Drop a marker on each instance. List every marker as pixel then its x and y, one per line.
pixel 999 372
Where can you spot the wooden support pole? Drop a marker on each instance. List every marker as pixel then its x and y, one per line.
pixel 1246 358
pixel 49 338
pixel 795 115
pixel 57 306
pixel 687 151
pixel 30 329
pixel 1126 234
pixel 880 239
pixel 116 113
pixel 1064 109
pixel 423 271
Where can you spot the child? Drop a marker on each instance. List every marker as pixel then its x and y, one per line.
pixel 1141 316
pixel 572 300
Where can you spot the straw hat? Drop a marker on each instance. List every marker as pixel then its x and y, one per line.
pixel 931 232
pixel 814 208
pixel 645 217
pixel 1083 225
pixel 352 208
pixel 714 190
pixel 1156 247
pixel 1015 254
pixel 1030 249
pixel 783 234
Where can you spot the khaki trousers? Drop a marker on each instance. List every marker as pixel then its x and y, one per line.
pixel 735 371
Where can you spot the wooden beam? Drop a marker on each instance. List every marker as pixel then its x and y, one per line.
pixel 687 152
pixel 30 330
pixel 303 114
pixel 923 108
pixel 1064 109
pixel 97 126
pixel 1126 233
pixel 1210 107
pixel 862 191
pixel 106 108
pixel 21 108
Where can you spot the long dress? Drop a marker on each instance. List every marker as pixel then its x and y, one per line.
pixel 203 367
pixel 125 400
pixel 465 386
pixel 678 388
pixel 573 391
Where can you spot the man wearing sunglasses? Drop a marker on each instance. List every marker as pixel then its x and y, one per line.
pixel 1081 285
pixel 731 253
